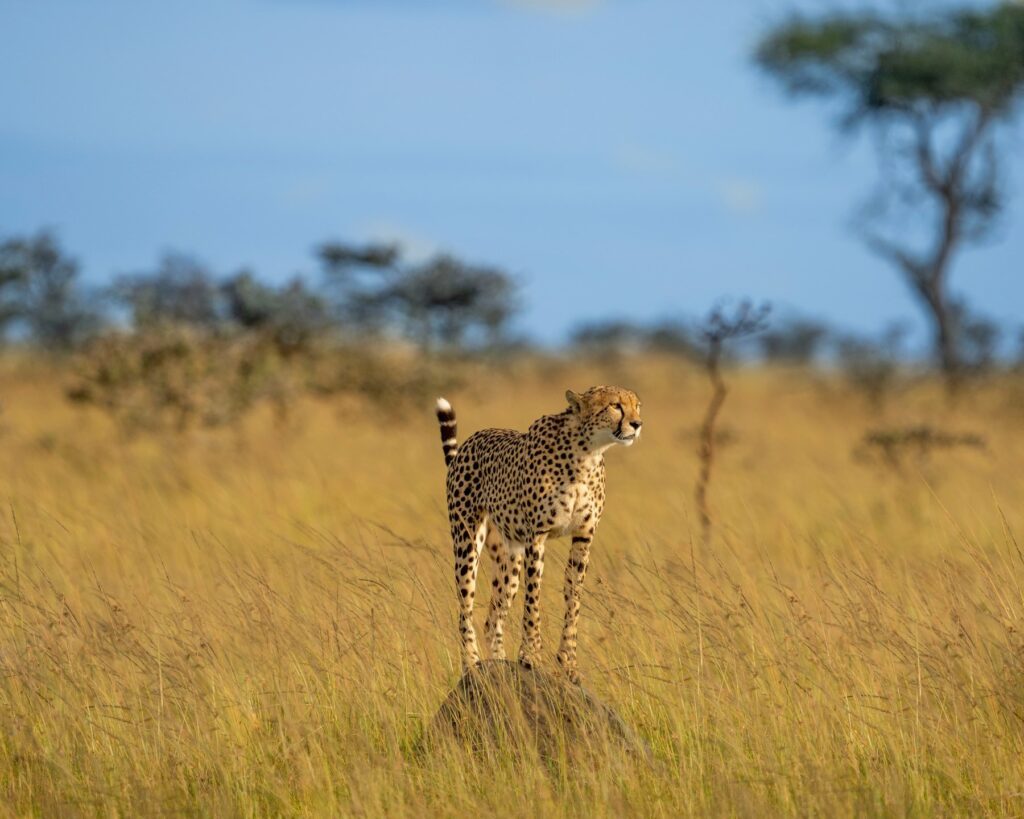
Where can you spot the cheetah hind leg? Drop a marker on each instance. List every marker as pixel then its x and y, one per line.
pixel 467 543
pixel 507 566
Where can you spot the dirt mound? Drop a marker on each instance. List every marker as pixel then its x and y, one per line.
pixel 500 703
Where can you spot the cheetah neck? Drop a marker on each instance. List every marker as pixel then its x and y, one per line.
pixel 568 429
pixel 584 453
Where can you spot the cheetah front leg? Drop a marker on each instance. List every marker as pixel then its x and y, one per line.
pixel 507 565
pixel 529 651
pixel 575 571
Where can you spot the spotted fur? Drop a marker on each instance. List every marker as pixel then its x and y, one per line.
pixel 510 491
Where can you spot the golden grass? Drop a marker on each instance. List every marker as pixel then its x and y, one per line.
pixel 260 621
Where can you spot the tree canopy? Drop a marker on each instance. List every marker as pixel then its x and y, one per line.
pixel 40 293
pixel 441 302
pixel 886 66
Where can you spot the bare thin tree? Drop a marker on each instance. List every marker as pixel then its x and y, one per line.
pixel 720 327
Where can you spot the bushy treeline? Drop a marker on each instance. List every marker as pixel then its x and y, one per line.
pixel 371 293
pixel 442 303
pixel 803 341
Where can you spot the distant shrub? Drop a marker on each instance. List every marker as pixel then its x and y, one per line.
pixel 175 377
pixel 675 337
pixel 798 341
pixel 896 444
pixel 391 377
pixel 616 336
pixel 608 336
pixel 871 366
pixel 978 337
pixel 292 317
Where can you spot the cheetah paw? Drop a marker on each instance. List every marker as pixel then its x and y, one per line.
pixel 570 670
pixel 527 662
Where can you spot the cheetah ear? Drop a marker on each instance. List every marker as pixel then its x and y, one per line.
pixel 574 401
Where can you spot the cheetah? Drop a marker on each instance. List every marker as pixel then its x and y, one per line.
pixel 511 491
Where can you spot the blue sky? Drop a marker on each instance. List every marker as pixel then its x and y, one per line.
pixel 624 159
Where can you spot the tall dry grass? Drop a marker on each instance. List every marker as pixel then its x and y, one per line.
pixel 260 621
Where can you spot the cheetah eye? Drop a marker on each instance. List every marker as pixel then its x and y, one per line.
pixel 620 409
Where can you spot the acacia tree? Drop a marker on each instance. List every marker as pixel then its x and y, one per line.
pixel 935 90
pixel 40 293
pixel 291 315
pixel 10 282
pixel 445 299
pixel 181 291
pixel 443 302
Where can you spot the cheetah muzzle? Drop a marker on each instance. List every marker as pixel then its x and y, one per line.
pixel 509 491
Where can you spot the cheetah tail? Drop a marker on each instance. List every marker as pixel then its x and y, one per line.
pixel 446 418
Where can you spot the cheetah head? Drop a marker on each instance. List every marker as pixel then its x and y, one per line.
pixel 608 415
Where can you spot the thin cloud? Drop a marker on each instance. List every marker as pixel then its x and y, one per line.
pixel 561 7
pixel 564 7
pixel 742 196
pixel 305 191
pixel 642 160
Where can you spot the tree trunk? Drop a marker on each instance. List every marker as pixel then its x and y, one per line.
pixel 946 346
pixel 957 197
pixel 944 341
pixel 706 451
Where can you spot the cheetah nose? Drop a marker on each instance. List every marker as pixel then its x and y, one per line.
pixel 636 424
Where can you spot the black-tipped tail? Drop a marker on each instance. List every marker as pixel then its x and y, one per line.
pixel 449 441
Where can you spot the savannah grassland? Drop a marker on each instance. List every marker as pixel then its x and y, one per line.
pixel 261 620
